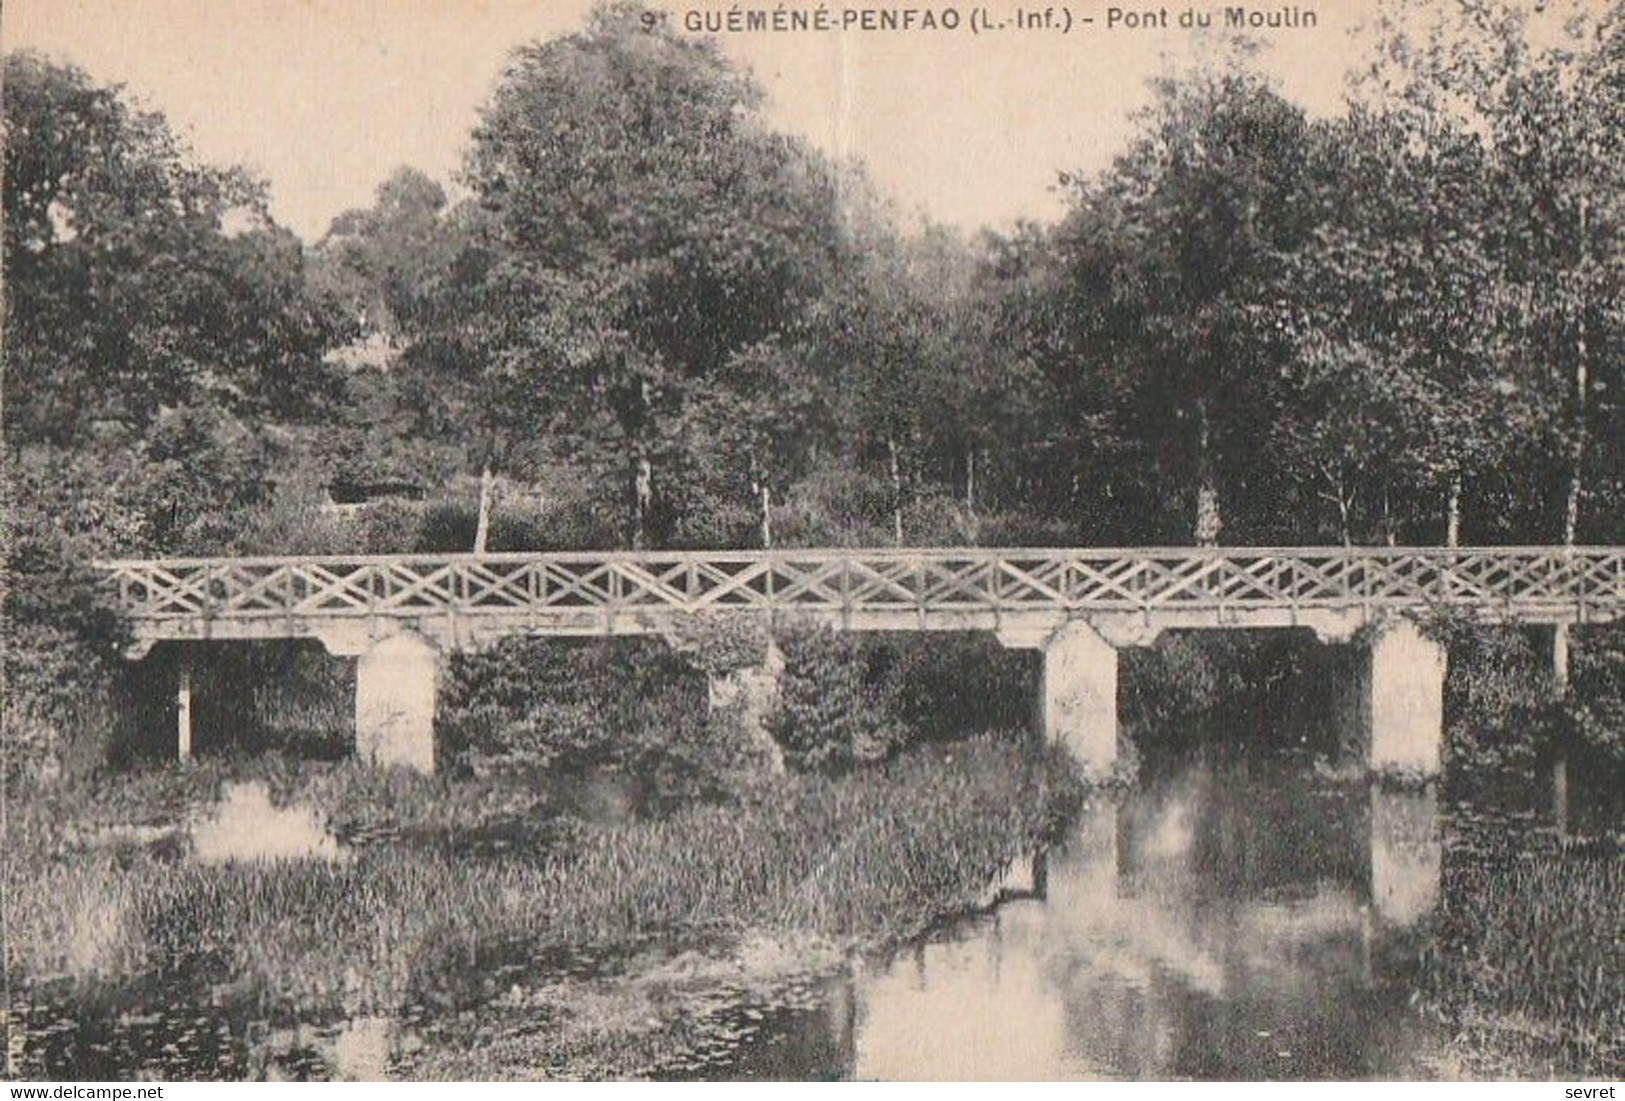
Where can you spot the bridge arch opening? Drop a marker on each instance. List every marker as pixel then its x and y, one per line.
pixel 1273 690
pixel 211 698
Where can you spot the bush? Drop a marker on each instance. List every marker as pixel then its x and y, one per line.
pixel 836 708
pixel 446 526
pixel 62 636
pixel 723 644
pixel 636 705
pixel 1503 709
pixel 391 527
pixel 836 507
pixel 936 518
pixel 526 702
pixel 59 710
pixel 1017 528
pixel 950 685
pixel 1183 679
pixel 294 521
pixel 300 699
pixel 554 516
pixel 708 516
pixel 1597 684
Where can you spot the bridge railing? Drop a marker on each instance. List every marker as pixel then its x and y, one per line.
pixel 919 580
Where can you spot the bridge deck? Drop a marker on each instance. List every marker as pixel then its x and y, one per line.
pixel 471 598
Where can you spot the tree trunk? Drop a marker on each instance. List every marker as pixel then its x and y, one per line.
pixel 896 491
pixel 762 501
pixel 1560 793
pixel 1388 534
pixel 1571 507
pixel 970 480
pixel 482 526
pixel 1209 520
pixel 1452 509
pixel 642 492
pixel 637 426
pixel 1339 495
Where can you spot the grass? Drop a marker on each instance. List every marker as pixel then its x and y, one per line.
pixel 870 857
pixel 1528 970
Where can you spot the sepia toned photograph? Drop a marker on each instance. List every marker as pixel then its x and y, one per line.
pixel 662 540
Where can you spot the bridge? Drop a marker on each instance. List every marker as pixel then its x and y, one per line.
pixel 396 614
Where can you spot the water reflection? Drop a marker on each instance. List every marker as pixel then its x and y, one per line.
pixel 1405 855
pixel 245 825
pixel 1224 922
pixel 173 1034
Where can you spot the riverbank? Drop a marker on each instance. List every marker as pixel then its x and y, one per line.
pixel 1518 967
pixel 1523 966
pixel 422 914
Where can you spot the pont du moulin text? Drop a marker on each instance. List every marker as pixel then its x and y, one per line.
pixel 1229 18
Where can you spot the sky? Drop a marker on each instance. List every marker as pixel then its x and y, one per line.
pixel 324 98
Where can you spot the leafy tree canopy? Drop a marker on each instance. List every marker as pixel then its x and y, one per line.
pixel 139 279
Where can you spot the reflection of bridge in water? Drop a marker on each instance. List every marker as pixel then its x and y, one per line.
pixel 397 614
pixel 1166 943
pixel 1227 921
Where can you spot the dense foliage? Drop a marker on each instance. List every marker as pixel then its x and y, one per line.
pixel 835 707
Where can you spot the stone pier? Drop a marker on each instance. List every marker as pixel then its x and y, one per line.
pixel 1080 696
pixel 183 710
pixel 1077 704
pixel 1403 700
pixel 394 701
pixel 1559 770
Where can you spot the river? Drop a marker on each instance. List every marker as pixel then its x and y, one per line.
pixel 1243 919
pixel 1232 917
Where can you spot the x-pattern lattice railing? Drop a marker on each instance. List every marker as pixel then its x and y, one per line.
pixel 1515 580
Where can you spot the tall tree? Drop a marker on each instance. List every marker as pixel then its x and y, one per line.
pixel 137 278
pixel 1399 378
pixel 643 227
pixel 1541 88
pixel 1166 259
pixel 384 261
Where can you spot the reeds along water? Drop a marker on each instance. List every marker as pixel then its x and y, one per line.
pixel 394 925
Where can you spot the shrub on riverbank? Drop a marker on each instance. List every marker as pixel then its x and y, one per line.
pixel 836 709
pixel 1597 696
pixel 1195 685
pixel 1502 705
pixel 1507 718
pixel 947 683
pixel 637 707
pixel 844 700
